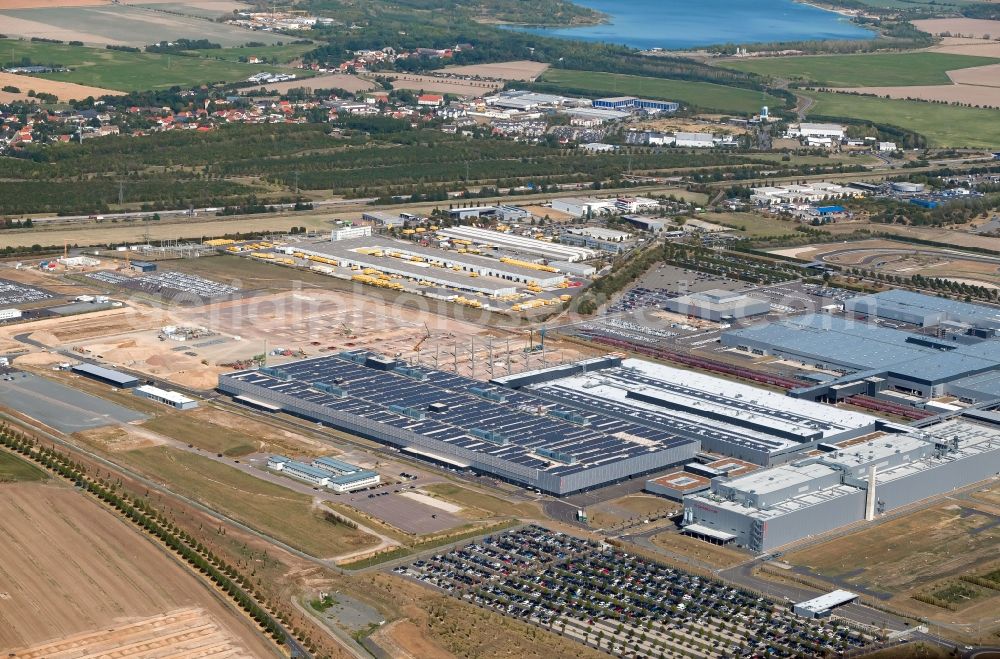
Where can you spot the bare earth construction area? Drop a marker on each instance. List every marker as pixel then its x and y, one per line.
pixel 72 572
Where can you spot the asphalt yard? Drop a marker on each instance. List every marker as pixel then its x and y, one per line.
pixel 402 512
pixel 62 408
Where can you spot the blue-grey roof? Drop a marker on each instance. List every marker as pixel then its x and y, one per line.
pixel 335 465
pixel 303 468
pixel 347 479
pixel 917 303
pixel 480 417
pixel 860 346
pixel 105 374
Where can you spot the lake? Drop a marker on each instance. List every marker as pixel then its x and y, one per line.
pixel 678 24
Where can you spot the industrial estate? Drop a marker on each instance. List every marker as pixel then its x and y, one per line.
pixel 445 329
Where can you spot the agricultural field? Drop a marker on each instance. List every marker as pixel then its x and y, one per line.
pixel 976 28
pixel 14 469
pixel 64 91
pixel 437 85
pixel 874 70
pixel 272 509
pixel 121 24
pixel 518 70
pixel 973 95
pixel 752 225
pixel 942 125
pixel 283 54
pixel 121 71
pixel 703 95
pixel 90 572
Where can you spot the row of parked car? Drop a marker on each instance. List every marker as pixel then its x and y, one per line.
pixel 602 596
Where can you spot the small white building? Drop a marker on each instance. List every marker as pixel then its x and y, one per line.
pixel 886 147
pixel 694 140
pixel 581 207
pixel 171 398
pixel 346 233
pixel 10 314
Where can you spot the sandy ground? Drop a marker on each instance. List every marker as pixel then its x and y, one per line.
pixel 986 76
pixel 974 95
pixel 311 322
pixel 27 29
pixel 64 90
pixel 330 81
pixel 185 633
pixel 517 70
pixel 968 27
pixel 71 567
pixel 443 85
pixel 672 124
pixel 961 46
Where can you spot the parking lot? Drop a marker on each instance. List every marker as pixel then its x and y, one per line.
pixel 174 286
pixel 402 512
pixel 623 604
pixel 13 294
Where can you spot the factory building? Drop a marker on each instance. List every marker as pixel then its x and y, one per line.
pixel 633 103
pixel 519 244
pixel 846 482
pixel 718 305
pixel 464 423
pixel 806 130
pixel 106 375
pixel 923 310
pixel 727 418
pixel 503 213
pixel 164 397
pixel 462 271
pixel 605 240
pixel 347 233
pixel 584 206
pixel 143 266
pixel 876 360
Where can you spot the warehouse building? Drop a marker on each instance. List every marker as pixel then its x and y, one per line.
pixel 584 206
pixel 728 418
pixel 846 482
pixel 10 314
pixel 346 233
pixel 462 271
pixel 519 244
pixel 106 375
pixel 923 310
pixel 633 103
pixel 718 305
pixel 464 423
pixel 171 398
pixel 875 360
pixel 503 213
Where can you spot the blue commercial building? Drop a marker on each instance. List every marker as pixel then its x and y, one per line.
pixel 631 102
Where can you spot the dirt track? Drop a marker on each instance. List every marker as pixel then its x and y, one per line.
pixel 70 567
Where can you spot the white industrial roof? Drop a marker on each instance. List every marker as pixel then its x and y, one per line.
pixel 779 478
pixel 827 601
pixel 171 396
pixel 709 531
pixel 520 243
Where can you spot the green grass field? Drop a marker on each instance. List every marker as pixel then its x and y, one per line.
pixel 943 125
pixel 701 94
pixel 878 70
pixel 13 469
pixel 112 69
pixel 207 436
pixel 277 511
pixel 281 54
